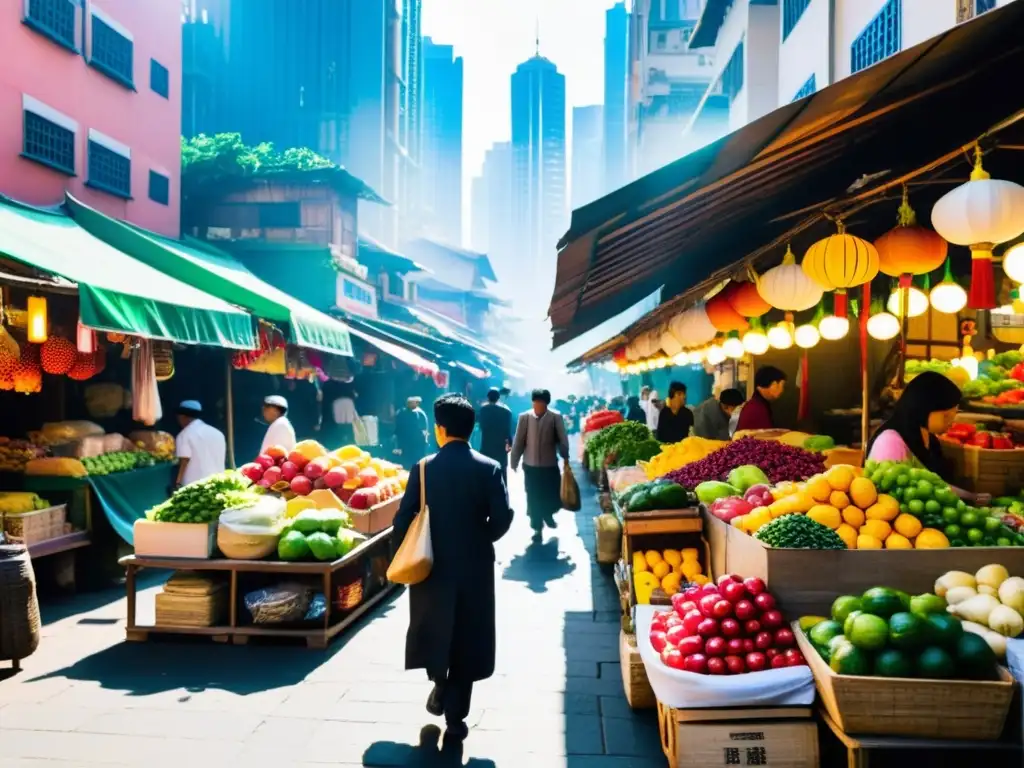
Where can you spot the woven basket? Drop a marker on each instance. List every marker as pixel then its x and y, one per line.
pixel 19 607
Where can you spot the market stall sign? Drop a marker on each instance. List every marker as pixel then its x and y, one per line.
pixel 357 297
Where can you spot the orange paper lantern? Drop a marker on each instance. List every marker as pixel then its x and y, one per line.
pixel 723 316
pixel 744 298
pixel 909 249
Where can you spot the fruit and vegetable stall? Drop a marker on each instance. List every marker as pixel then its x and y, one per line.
pixel 294 544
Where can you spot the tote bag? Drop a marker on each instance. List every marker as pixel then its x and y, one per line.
pixel 570 491
pixel 415 556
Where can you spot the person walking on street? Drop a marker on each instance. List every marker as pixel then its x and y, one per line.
pixel 711 418
pixel 201 449
pixel 540 439
pixel 280 432
pixel 452 631
pixel 675 419
pixel 495 421
pixel 411 432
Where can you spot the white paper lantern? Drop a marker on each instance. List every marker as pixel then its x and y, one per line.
pixel 948 297
pixel 733 348
pixel 693 328
pixel 755 342
pixel 670 345
pixel 883 326
pixel 715 355
pixel 788 287
pixel 806 336
pixel 916 300
pixel 1013 263
pixel 780 337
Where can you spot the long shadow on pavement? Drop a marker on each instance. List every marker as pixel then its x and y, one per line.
pixel 538 565
pixel 431 752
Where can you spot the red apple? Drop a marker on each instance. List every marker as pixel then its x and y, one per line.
pixel 754 585
pixel 252 471
pixel 691 621
pixel 735 665
pixel 675 635
pixel 763 641
pixel 335 477
pixel 673 620
pixel 692 593
pixel 677 600
pixel 764 601
pixel 266 462
pixel 784 638
pixel 716 666
pixel 780 661
pixel 734 647
pixel 369 477
pixel 745 610
pixel 756 661
pixel 752 627
pixel 748 645
pixel 707 605
pixel 724 579
pixel 734 592
pixel 686 606
pixel 721 609
pixel 658 640
pixel 273 474
pixel 696 663
pixel 709 589
pixel 289 470
pixel 707 628
pixel 316 468
pixel 301 485
pixel 794 658
pixel 670 657
pixel 691 645
pixel 772 619
pixel 715 646
pixel 731 627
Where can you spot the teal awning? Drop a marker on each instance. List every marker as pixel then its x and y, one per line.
pixel 116 292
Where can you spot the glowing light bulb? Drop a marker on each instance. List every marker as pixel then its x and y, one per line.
pixel 715 355
pixel 779 337
pixel 1013 263
pixel 948 297
pixel 697 356
pixel 683 358
pixel 733 348
pixel 916 300
pixel 833 328
pixel 38 325
pixel 806 336
pixel 883 326
pixel 755 342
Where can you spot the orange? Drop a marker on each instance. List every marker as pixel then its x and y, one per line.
pixel 878 529
pixel 907 525
pixel 839 500
pixel 854 517
pixel 868 542
pixel 848 535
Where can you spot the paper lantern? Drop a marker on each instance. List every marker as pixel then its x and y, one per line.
pixel 841 261
pixel 806 336
pixel 619 355
pixel 883 326
pixel 755 342
pixel 948 296
pixel 744 298
pixel 86 339
pixel 733 348
pixel 38 326
pixel 917 302
pixel 833 328
pixel 981 213
pixel 909 249
pixel 693 328
pixel 780 337
pixel 787 287
pixel 715 355
pixel 723 317
pixel 697 356
pixel 670 345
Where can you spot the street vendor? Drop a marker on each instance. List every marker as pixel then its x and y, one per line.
pixel 201 449
pixel 769 383
pixel 711 418
pixel 280 432
pixel 927 407
pixel 411 432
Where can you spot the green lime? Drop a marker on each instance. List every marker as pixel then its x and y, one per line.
pixel 952 531
pixel 847 659
pixel 925 488
pixel 848 624
pixel 1002 541
pixel 902 480
pixel 932 507
pixel 928 604
pixel 909 494
pixel 992 524
pixel 907 631
pixel 961 505
pixel 974 657
pixel 950 515
pixel 969 519
pixel 957 543
pixel 943 630
pixel 975 536
pixel 935 663
pixel 888 479
pixel 893 663
pixel 868 632
pixel 946 497
pixel 883 602
pixel 915 474
pixel 916 506
pixel 843 606
pixel 821 634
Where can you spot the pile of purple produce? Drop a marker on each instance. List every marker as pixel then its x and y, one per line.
pixel 779 461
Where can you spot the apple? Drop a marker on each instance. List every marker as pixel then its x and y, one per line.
pixel 715 646
pixel 289 470
pixel 697 663
pixel 752 627
pixel 252 471
pixel 677 600
pixel 335 477
pixel 734 592
pixel 722 609
pixel 780 661
pixel 771 653
pixel 692 593
pixel 763 641
pixel 676 635
pixel 298 459
pixel 691 621
pixel 772 619
pixel 754 585
pixel 764 601
pixel 731 627
pixel 745 610
pixel 724 579
pixel 784 638
pixel 266 462
pixel 658 640
pixel 709 589
pixel 707 605
pixel 686 606
pixel 756 661
pixel 748 645
pixel 672 658
pixel 673 620
pixel 691 645
pixel 708 628
pixel 273 474
pixel 734 647
pixel 735 665
pixel 301 485
pixel 794 658
pixel 316 468
pixel 716 666
pixel 660 617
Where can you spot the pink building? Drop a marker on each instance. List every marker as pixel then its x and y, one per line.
pixel 90 102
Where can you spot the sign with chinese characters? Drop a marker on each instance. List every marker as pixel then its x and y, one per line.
pixel 356 296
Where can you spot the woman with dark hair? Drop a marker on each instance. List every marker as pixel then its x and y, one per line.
pixel 927 407
pixel 633 410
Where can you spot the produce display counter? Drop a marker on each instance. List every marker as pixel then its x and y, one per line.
pixel 366 565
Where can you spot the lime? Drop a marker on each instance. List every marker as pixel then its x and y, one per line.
pixel 888 479
pixel 907 631
pixel 848 624
pixel 957 543
pixel 943 630
pixel 927 605
pixel 950 515
pixel 843 606
pixel 893 663
pixel 946 497
pixel 1002 541
pixel 915 474
pixel 902 479
pixel 969 519
pixel 910 494
pixel 882 602
pixel 925 488
pixel 936 664
pixel 952 531
pixel 992 524
pixel 932 507
pixel 821 634
pixel 961 505
pixel 916 507
pixel 974 657
pixel 847 659
pixel 868 632
pixel 975 536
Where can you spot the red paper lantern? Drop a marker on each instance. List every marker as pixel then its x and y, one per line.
pixel 744 298
pixel 723 316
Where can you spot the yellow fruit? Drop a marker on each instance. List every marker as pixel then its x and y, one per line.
pixel 690 569
pixel 347 452
pixel 639 563
pixel 878 529
pixel 854 517
pixel 671 583
pixel 807 623
pixel 897 541
pixel 690 553
pixel 818 488
pixel 756 519
pixel 839 500
pixel 661 569
pixel 784 489
pixel 296 505
pixel 311 449
pixel 739 522
pixel 826 515
pixel 862 492
pixel 868 542
pixel 672 557
pixel 930 538
pixel 840 476
pixel 848 535
pixel 652 557
pixel 701 579
pixel 881 510
pixel 907 525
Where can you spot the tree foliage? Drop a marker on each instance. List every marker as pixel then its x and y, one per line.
pixel 224 157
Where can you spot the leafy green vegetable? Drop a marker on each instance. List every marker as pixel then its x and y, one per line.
pixel 631 453
pixel 798 532
pixel 609 442
pixel 203 501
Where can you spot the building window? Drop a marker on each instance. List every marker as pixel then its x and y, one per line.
pixel 109 171
pixel 279 215
pixel 807 88
pixel 112 52
pixel 159 79
pixel 881 38
pixel 792 10
pixel 48 143
pixel 55 19
pixel 732 75
pixel 159 188
pixel 982 6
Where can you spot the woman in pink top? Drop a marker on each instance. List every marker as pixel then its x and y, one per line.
pixel 926 408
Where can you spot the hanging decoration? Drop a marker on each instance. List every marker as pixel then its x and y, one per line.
pixel 715 355
pixel 787 287
pixel 57 355
pixel 722 316
pixel 948 296
pixel 806 336
pixel 733 347
pixel 841 261
pixel 38 325
pixel 693 328
pixel 85 339
pixel 882 325
pixel 619 356
pixel 7 363
pixel 917 301
pixel 981 213
pixel 670 345
pixel 909 249
pixel 780 336
pixel 744 299
pixel 28 375
pixel 754 341
pixel 1013 263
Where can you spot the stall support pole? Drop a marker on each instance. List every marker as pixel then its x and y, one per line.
pixel 229 411
pixel 904 319
pixel 865 395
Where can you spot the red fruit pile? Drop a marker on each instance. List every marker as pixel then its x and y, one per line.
pixel 725 629
pixel 57 355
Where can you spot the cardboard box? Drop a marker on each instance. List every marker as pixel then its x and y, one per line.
pixel 195 540
pixel 375 519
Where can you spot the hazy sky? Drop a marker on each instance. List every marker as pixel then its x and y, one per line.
pixel 494 36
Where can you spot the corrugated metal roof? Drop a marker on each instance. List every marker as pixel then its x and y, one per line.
pixel 709 210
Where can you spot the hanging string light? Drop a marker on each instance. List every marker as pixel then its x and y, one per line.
pixel 948 296
pixel 733 347
pixel 882 325
pixel 754 341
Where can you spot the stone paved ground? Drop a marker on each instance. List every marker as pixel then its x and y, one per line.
pixel 87 698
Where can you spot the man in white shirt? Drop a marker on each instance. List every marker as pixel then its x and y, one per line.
pixel 652 410
pixel 201 448
pixel 280 432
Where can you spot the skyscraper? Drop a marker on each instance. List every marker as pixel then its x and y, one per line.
pixel 616 98
pixel 441 159
pixel 492 213
pixel 411 118
pixel 540 215
pixel 587 177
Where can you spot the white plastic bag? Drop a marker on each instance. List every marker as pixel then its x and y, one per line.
pixel 791 686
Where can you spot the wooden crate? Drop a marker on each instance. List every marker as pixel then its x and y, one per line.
pixel 36 526
pixel 637 687
pixel 189 540
pixel 376 519
pixel 777 737
pixel 181 610
pixel 985 471
pixel 928 709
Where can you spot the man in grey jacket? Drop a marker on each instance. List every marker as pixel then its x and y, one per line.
pixel 540 439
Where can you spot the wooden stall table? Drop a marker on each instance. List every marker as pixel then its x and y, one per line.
pixel 375 585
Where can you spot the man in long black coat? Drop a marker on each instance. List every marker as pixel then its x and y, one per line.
pixel 496 433
pixel 451 623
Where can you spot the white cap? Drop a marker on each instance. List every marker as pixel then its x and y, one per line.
pixel 276 400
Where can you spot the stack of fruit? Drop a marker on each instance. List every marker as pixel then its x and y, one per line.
pixel 887 633
pixel 117 461
pixel 675 456
pixel 15 454
pixel 990 603
pixel 315 534
pixel 730 628
pixel 659 494
pixel 669 570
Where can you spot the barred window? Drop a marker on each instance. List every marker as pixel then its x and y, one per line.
pixel 159 78
pixel 159 188
pixel 792 10
pixel 55 19
pixel 807 88
pixel 109 171
pixel 48 143
pixel 112 53
pixel 881 38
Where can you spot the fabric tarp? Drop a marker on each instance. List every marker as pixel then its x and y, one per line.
pixel 683 224
pixel 125 497
pixel 375 338
pixel 116 292
pixel 221 275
